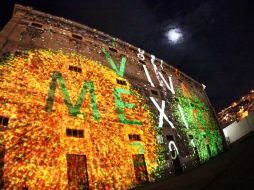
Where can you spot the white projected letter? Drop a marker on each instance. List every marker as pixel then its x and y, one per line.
pixel 162 114
pixel 170 85
pixel 170 144
pixel 161 78
pixel 141 54
pixel 184 120
pixel 161 64
pixel 148 76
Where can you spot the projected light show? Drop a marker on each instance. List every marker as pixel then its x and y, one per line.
pixel 190 111
pixel 40 135
pixel 92 114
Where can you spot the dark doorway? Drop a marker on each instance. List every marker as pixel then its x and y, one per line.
pixel 197 156
pixel 140 168
pixel 217 149
pixel 2 153
pixel 176 162
pixel 77 172
pixel 209 150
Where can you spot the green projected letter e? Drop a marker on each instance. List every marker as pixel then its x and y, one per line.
pixel 73 110
pixel 121 105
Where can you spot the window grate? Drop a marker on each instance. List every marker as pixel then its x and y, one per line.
pixel 112 49
pixel 134 137
pixel 122 82
pixel 170 137
pixel 77 37
pixel 75 133
pixel 76 69
pixel 4 121
pixel 141 61
pixel 164 72
pixel 37 25
pixel 155 92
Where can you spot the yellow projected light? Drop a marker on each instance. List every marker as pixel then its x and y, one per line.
pixel 62 104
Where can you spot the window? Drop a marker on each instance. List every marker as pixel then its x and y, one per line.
pixel 123 55
pixel 23 23
pixel 134 137
pixel 138 88
pixel 122 82
pixel 170 137
pixel 4 121
pixel 155 92
pixel 2 154
pixel 76 69
pixel 102 38
pixel 75 133
pixel 37 25
pixel 21 54
pixel 68 132
pixel 141 61
pixel 18 53
pixel 164 72
pixel 112 49
pixel 140 67
pixel 77 36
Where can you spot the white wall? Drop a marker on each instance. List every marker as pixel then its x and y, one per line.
pixel 236 130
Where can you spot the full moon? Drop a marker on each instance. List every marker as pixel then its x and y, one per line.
pixel 174 35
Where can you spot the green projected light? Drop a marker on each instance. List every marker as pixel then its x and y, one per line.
pixel 73 110
pixel 197 122
pixel 121 105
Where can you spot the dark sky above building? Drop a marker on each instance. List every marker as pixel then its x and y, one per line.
pixel 218 45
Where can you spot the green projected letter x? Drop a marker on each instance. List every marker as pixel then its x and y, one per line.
pixel 73 110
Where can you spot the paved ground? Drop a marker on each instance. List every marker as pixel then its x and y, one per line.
pixel 233 170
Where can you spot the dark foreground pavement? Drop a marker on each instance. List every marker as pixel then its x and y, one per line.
pixel 233 170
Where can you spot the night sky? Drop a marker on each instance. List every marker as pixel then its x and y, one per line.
pixel 218 45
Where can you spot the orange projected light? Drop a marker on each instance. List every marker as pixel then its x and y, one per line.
pixel 69 125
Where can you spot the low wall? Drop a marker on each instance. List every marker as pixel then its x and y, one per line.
pixel 238 130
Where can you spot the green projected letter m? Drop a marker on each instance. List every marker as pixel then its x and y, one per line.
pixel 73 110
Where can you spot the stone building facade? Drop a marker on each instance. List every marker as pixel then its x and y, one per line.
pixel 80 109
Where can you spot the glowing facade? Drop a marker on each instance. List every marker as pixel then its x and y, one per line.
pixel 80 109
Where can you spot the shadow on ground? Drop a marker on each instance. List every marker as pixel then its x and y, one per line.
pixel 233 170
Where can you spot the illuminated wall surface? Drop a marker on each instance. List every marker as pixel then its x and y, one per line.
pixel 69 122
